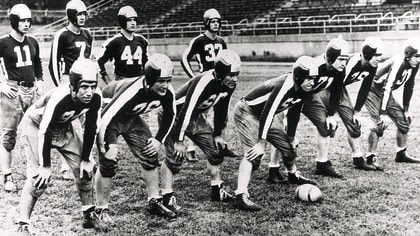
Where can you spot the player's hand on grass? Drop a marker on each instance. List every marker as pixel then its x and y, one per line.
pixel 87 169
pixel 151 148
pixel 42 178
pixel 256 151
pixel 7 90
pixel 180 151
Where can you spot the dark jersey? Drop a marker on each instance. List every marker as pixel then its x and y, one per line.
pixel 66 47
pixel 20 61
pixel 132 97
pixel 199 95
pixel 272 97
pixel 129 56
pixel 362 75
pixel 205 49
pixel 399 74
pixel 56 108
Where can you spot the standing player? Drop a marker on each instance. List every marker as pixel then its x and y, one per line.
pixel 360 71
pixel 129 98
pixel 212 88
pixel 127 49
pixel 205 48
pixel 258 119
pixel 331 74
pixel 68 44
pixel 22 76
pixel 48 124
pixel 390 95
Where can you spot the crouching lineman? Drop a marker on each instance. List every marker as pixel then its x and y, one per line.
pixel 130 98
pixel 48 124
pixel 390 94
pixel 212 88
pixel 259 118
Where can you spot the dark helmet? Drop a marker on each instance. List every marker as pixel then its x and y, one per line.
pixel 227 62
pixel 412 48
pixel 18 12
pixel 158 66
pixel 336 47
pixel 211 14
pixel 372 46
pixel 73 8
pixel 124 14
pixel 304 67
pixel 82 70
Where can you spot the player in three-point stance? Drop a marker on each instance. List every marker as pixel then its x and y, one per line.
pixel 130 98
pixel 48 124
pixel 127 49
pixel 258 118
pixel 390 95
pixel 68 44
pixel 211 89
pixel 21 79
pixel 204 48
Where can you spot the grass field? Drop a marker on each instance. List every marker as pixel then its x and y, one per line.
pixel 367 203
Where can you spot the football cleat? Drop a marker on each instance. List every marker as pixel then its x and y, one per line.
pixel 402 156
pixel 105 215
pixel 156 207
pixel 243 202
pixel 191 157
pixel 170 202
pixel 9 185
pixel 296 178
pixel 23 229
pixel 275 176
pixel 326 169
pixel 92 219
pixel 359 163
pixel 219 194
pixel 371 160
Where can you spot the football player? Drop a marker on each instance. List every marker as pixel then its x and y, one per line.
pixel 130 98
pixel 390 95
pixel 48 124
pixel 21 78
pixel 204 48
pixel 258 118
pixel 331 73
pixel 211 89
pixel 68 44
pixel 127 49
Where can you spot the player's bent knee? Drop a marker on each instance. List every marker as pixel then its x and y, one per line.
pixel 149 163
pixel 174 167
pixel 108 168
pixel 216 160
pixel 379 131
pixel 355 133
pixel 256 164
pixel 403 130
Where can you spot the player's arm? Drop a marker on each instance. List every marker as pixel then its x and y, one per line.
pixel 364 91
pixel 408 93
pixel 91 125
pixel 55 63
pixel 168 116
pixel 221 110
pixel 337 86
pixel 389 81
pixel 104 56
pixel 186 58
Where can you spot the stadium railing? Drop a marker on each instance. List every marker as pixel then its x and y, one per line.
pixel 312 24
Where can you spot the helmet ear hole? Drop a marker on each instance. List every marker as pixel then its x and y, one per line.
pixel 372 46
pixel 304 67
pixel 227 62
pixel 336 47
pixel 158 66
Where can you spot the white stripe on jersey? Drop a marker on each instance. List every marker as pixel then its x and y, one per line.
pixel 56 71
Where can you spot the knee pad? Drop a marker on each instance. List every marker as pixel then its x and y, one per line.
pixel 403 130
pixel 9 140
pixel 174 167
pixel 149 163
pixel 354 133
pixel 108 168
pixel 216 159
pixel 378 130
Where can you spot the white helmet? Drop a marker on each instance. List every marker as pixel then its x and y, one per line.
pixel 227 62
pixel 73 8
pixel 124 14
pixel 337 47
pixel 158 66
pixel 304 67
pixel 372 46
pixel 83 69
pixel 19 12
pixel 211 14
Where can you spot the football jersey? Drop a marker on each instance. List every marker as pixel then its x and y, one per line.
pixel 56 108
pixel 66 47
pixel 129 56
pixel 132 97
pixel 272 97
pixel 20 61
pixel 199 95
pixel 362 75
pixel 205 49
pixel 400 75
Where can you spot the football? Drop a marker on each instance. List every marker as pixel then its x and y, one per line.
pixel 308 193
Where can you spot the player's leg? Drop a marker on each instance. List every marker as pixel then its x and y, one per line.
pixel 346 112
